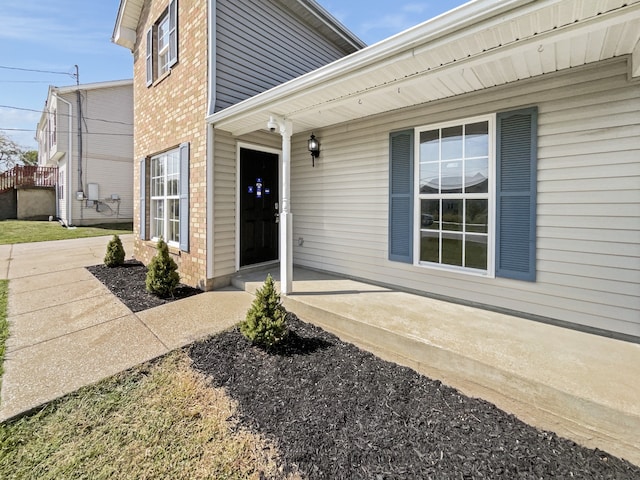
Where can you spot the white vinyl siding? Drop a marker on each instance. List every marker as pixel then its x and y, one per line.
pixel 260 45
pixel 588 200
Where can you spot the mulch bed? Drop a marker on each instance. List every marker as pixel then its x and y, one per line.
pixel 338 412
pixel 128 284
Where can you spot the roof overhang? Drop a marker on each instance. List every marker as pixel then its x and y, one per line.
pixel 482 44
pixel 124 32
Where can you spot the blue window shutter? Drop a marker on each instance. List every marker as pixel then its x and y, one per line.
pixel 149 57
pixel 173 32
pixel 184 197
pixel 401 196
pixel 516 181
pixel 143 199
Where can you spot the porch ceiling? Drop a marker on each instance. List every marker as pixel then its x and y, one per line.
pixel 477 46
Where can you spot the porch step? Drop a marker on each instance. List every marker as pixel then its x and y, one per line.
pixel 581 386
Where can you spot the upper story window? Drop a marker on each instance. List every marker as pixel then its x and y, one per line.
pixel 162 44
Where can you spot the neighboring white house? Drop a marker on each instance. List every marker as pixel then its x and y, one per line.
pixel 87 132
pixel 490 156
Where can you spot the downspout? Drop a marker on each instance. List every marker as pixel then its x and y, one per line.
pixel 68 199
pixel 80 183
pixel 211 81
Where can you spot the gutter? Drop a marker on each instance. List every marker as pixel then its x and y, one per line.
pixel 389 50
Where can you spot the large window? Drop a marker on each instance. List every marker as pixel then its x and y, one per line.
pixel 462 195
pixel 165 197
pixel 454 192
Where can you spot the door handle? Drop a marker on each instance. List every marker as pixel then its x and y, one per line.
pixel 277 215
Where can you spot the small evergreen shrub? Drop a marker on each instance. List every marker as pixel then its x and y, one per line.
pixel 115 252
pixel 265 322
pixel 162 275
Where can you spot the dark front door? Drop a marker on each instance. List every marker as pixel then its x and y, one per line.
pixel 258 207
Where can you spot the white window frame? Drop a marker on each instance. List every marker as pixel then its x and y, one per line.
pixel 165 197
pixel 491 196
pixel 163 51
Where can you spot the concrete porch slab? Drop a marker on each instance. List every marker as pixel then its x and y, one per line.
pixel 579 385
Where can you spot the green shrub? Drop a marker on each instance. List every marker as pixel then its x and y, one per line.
pixel 115 253
pixel 162 275
pixel 265 322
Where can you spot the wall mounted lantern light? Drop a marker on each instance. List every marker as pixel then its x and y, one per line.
pixel 314 147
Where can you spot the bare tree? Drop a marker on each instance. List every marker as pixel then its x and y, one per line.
pixel 11 153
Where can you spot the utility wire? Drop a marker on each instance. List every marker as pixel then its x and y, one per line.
pixel 37 71
pixel 61 131
pixel 67 115
pixel 25 81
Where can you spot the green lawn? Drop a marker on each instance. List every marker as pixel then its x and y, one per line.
pixel 159 420
pixel 22 231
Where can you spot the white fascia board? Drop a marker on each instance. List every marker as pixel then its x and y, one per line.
pixel 389 50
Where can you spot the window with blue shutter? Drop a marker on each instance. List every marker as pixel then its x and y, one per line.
pixel 184 197
pixel 401 196
pixel 516 181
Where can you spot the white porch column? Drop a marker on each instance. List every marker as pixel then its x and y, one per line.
pixel 286 218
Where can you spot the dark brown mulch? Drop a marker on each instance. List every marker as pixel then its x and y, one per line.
pixel 128 284
pixel 338 412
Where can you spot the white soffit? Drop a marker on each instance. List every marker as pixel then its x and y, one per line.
pixel 533 39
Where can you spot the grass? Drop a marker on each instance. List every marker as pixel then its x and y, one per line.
pixel 159 420
pixel 23 231
pixel 4 325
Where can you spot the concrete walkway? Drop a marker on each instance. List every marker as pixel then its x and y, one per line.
pixel 66 330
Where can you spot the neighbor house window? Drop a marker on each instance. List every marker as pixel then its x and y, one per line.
pixel 454 193
pixel 162 44
pixel 462 195
pixel 61 185
pixel 165 197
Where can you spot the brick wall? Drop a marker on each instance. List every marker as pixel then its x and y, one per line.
pixel 170 112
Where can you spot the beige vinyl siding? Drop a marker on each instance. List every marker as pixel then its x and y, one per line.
pixel 225 188
pixel 588 234
pixel 107 146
